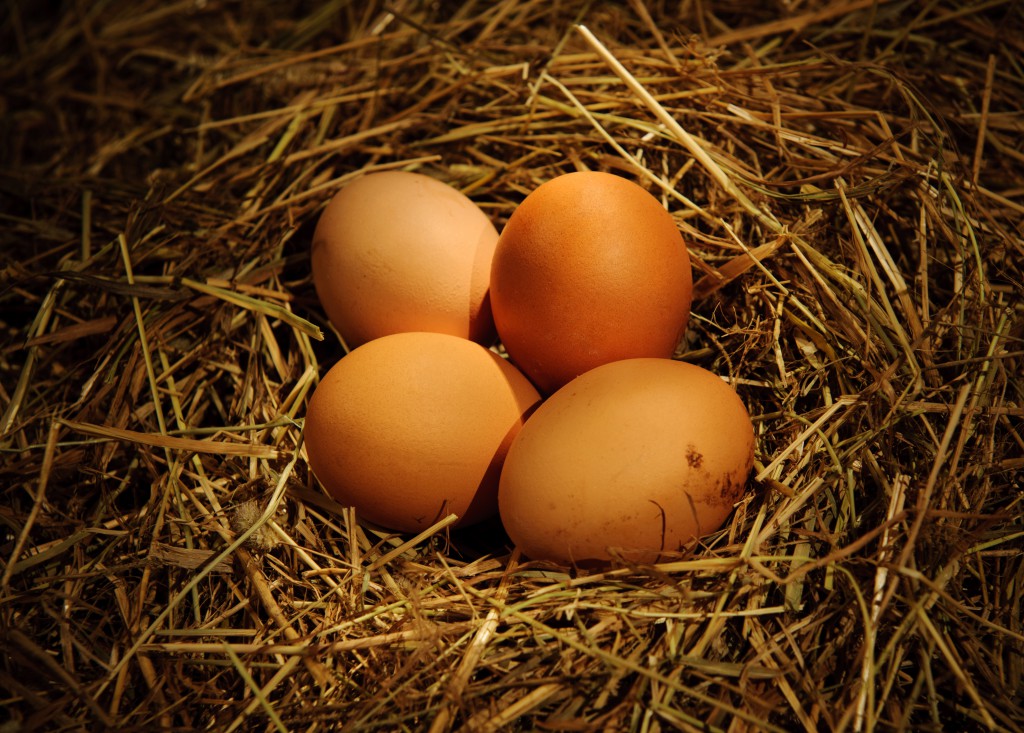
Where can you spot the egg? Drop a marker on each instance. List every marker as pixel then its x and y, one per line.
pixel 589 269
pixel 397 251
pixel 635 459
pixel 410 427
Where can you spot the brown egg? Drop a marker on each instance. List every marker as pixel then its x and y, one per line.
pixel 397 251
pixel 410 427
pixel 590 269
pixel 635 458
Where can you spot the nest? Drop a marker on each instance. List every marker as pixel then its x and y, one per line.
pixel 848 178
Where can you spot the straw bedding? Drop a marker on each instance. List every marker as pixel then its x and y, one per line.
pixel 849 178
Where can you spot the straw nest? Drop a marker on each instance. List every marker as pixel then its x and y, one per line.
pixel 848 176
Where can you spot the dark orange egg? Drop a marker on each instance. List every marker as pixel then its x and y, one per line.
pixel 590 269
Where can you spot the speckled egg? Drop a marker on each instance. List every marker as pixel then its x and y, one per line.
pixel 634 459
pixel 410 427
pixel 398 251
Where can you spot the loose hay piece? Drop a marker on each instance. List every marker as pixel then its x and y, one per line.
pixel 849 177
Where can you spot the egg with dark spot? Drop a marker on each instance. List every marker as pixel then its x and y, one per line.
pixel 633 459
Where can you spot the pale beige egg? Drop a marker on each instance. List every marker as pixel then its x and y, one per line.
pixel 396 251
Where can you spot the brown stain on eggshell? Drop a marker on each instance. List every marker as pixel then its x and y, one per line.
pixel 412 426
pixel 397 251
pixel 599 464
pixel 589 269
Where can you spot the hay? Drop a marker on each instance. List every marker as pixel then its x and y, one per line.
pixel 848 175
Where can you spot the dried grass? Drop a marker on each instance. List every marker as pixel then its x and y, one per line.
pixel 849 175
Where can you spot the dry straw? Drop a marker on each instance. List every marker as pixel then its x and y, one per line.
pixel 849 177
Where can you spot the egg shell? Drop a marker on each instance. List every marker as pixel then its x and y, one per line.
pixel 397 251
pixel 410 427
pixel 641 456
pixel 590 268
